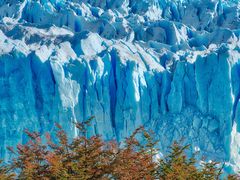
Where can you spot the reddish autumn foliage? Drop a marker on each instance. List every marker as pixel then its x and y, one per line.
pixel 92 158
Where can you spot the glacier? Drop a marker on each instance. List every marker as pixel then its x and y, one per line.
pixel 170 65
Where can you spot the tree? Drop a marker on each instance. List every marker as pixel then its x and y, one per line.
pixel 176 165
pixel 31 158
pixel 135 160
pixel 6 172
pixel 91 158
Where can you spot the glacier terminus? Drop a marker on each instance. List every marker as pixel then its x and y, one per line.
pixel 170 65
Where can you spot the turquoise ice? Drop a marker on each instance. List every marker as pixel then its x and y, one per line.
pixel 170 65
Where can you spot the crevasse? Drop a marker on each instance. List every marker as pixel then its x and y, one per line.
pixel 172 66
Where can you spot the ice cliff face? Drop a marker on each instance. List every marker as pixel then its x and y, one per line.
pixel 172 66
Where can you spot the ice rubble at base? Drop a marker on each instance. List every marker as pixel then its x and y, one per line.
pixel 170 65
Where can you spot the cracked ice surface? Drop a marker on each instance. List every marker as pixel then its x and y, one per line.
pixel 172 66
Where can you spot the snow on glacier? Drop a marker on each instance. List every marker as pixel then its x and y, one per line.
pixel 172 66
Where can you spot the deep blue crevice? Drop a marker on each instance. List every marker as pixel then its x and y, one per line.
pixel 113 87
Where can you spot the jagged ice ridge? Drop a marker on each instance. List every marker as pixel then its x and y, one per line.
pixel 172 66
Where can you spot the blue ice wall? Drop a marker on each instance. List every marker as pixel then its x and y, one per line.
pixel 172 66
